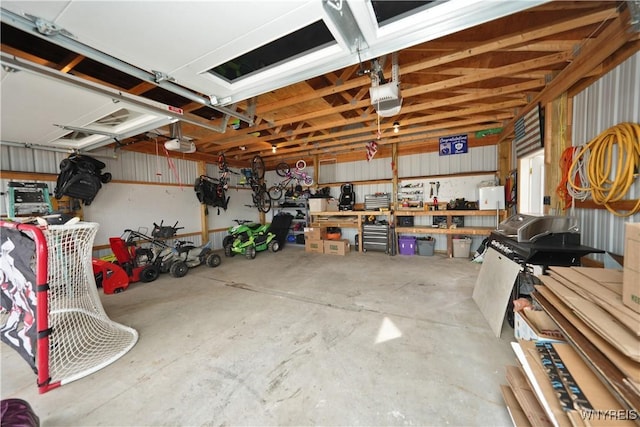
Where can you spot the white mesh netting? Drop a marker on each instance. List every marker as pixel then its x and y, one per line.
pixel 83 339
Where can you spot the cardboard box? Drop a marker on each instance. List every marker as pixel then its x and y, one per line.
pixel 632 246
pixel 315 233
pixel 323 205
pixel 317 205
pixel 530 325
pixel 631 272
pixel 332 205
pixel 337 247
pixel 631 289
pixel 314 246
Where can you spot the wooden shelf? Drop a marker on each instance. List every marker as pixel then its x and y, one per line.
pixel 345 219
pixel 449 231
pixel 353 219
pixel 475 231
pixel 445 212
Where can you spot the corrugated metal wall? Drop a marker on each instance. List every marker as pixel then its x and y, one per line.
pixel 430 164
pixel 478 159
pixel 137 167
pixel 613 99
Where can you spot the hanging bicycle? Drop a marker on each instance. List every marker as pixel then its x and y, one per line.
pixel 260 197
pixel 224 172
pixel 283 169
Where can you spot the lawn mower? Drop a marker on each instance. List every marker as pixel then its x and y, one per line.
pixel 185 256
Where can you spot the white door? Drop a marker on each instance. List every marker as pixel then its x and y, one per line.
pixel 531 184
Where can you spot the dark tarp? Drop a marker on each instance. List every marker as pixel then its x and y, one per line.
pixel 18 282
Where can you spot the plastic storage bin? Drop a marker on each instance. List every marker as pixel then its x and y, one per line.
pixel 407 245
pixel 426 246
pixel 461 248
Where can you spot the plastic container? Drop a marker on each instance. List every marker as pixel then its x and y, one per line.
pixel 426 246
pixel 461 248
pixel 407 245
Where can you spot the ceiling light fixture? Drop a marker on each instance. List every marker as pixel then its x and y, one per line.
pixel 273 148
pixel 396 127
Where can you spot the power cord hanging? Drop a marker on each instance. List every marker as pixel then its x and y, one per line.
pixel 614 153
pixel 565 191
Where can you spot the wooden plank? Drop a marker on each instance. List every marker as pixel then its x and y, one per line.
pixel 447 212
pixel 473 231
pixel 598 319
pixel 517 38
pixel 595 51
pixel 610 363
pixel 615 35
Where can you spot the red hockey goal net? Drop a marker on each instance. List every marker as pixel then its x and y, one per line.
pixel 52 313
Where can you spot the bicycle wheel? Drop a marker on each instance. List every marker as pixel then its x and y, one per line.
pixel 283 169
pixel 257 167
pixel 308 180
pixel 301 164
pixel 263 201
pixel 275 192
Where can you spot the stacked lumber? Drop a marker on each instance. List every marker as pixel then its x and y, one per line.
pixel 599 365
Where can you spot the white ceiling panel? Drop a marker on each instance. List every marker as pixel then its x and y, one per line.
pixel 34 109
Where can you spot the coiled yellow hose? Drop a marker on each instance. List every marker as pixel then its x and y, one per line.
pixel 600 154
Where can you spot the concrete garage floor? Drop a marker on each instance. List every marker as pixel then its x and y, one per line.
pixel 292 338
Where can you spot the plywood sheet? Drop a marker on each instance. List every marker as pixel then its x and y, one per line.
pixel 493 288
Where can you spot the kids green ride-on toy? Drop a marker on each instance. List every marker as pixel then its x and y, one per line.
pixel 249 238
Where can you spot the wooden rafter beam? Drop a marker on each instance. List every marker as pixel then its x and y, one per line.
pixel 592 53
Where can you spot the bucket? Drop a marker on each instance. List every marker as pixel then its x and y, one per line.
pixel 425 246
pixel 461 248
pixel 407 245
